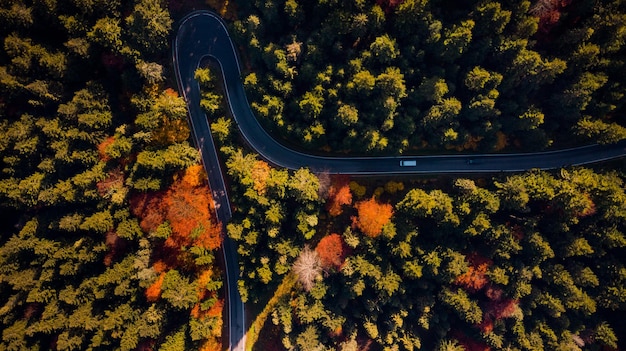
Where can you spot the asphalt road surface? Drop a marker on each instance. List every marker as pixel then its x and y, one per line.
pixel 203 35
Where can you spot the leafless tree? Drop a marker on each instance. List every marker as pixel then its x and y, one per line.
pixel 324 178
pixel 308 268
pixel 542 8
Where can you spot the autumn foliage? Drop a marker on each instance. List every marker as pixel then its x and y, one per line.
pixel 214 311
pixel 114 244
pixel 187 206
pixel 497 308
pixel 114 179
pixel 148 207
pixel 339 194
pixel 372 216
pixel 203 280
pixel 504 308
pixel 389 5
pixel 260 174
pixel 588 208
pixel 160 266
pixel 153 292
pixel 227 9
pixel 476 276
pixel 112 61
pixel 549 13
pixel 146 345
pixel 211 345
pixel 103 146
pixel 332 251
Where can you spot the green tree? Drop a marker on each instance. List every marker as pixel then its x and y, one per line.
pixel 363 82
pixel 435 203
pixel 311 105
pixel 449 345
pixel 108 33
pixel 461 304
pixel 347 114
pixel 457 39
pixel 305 185
pixel 479 79
pixel 178 290
pixel 391 83
pixel 149 25
pixel 384 49
pixel 597 130
pixel 605 335
pixel 174 341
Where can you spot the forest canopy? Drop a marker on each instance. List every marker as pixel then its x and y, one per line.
pixel 107 235
pixel 529 261
pixel 403 76
pixel 108 238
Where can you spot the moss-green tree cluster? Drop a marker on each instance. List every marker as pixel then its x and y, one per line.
pixel 87 123
pixel 396 76
pixel 532 261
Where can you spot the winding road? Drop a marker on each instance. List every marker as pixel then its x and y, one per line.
pixel 203 35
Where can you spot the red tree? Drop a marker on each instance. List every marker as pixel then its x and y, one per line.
pixel 549 13
pixel 211 345
pixel 372 216
pixel 494 293
pixel 214 311
pixel 146 345
pixel 496 310
pixel 149 208
pixel 115 244
pixel 332 251
pixel 112 61
pixel 389 5
pixel 160 266
pixel 114 179
pixel 504 308
pixel 185 210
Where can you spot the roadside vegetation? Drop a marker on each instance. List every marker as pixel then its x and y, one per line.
pixel 107 234
pixel 394 77
pixel 107 240
pixel 529 261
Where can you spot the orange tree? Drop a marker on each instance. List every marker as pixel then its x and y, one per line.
pixel 372 216
pixel 339 194
pixel 332 251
